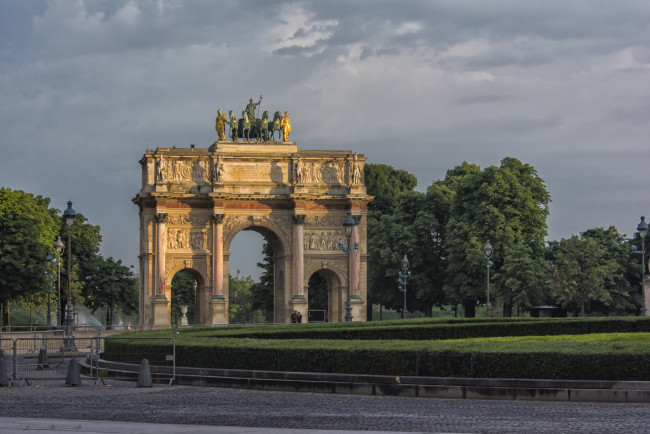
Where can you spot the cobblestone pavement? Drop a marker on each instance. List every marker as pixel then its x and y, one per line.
pixel 252 408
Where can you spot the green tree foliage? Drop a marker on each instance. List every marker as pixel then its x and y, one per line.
pixel 85 241
pixel 27 229
pixel 579 273
pixel 110 286
pixel 240 299
pixel 386 184
pixel 262 291
pixel 507 205
pixel 183 295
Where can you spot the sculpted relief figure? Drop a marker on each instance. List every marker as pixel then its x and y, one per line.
pixel 356 170
pixel 197 240
pixel 220 125
pixel 161 167
pixel 285 124
pixel 299 172
pixel 218 170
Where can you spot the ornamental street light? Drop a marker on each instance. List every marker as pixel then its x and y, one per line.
pixel 642 228
pixel 348 224
pixel 488 253
pixel 69 216
pixel 404 274
pixel 50 288
pixel 58 246
pixel 195 286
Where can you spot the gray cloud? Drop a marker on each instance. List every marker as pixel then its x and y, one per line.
pixel 88 86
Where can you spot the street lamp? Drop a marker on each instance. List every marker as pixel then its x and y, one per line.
pixel 404 274
pixel 69 216
pixel 58 246
pixel 50 288
pixel 642 228
pixel 348 224
pixel 487 248
pixel 195 286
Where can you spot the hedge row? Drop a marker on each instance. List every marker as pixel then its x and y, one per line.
pixel 440 331
pixel 547 365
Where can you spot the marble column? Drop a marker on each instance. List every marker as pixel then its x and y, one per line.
pixel 217 256
pixel 161 249
pixel 298 256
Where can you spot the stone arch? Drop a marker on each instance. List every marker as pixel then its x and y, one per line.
pixel 335 291
pixel 194 201
pixel 200 278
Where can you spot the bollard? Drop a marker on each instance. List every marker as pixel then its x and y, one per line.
pixel 144 376
pixel 4 380
pixel 73 378
pixel 42 360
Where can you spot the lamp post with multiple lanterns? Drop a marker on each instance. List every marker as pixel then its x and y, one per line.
pixel 348 224
pixel 642 228
pixel 404 274
pixel 488 253
pixel 58 246
pixel 69 216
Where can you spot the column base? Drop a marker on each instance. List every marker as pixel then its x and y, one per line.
pixel 219 307
pixel 160 311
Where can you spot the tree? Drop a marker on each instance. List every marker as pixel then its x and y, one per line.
pixel 27 228
pixel 386 184
pixel 262 291
pixel 507 205
pixel 240 302
pixel 579 273
pixel 110 286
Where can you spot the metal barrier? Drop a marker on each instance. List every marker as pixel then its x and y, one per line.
pixel 119 358
pixel 48 358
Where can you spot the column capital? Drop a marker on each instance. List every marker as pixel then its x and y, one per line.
pixel 299 219
pixel 160 217
pixel 218 218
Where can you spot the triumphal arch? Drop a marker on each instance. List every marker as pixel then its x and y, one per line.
pixel 193 202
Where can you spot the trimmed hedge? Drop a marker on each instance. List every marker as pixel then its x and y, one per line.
pixel 588 357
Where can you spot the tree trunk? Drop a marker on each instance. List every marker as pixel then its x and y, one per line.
pixel 507 310
pixel 5 315
pixel 470 308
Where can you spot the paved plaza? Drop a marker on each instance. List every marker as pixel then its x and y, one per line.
pixel 207 406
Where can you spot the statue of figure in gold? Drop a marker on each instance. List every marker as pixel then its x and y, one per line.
pixel 285 124
pixel 220 125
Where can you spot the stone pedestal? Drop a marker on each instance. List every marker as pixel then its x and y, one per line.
pixel 219 309
pixel 160 308
pixel 358 308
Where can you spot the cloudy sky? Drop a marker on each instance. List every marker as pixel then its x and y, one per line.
pixel 87 86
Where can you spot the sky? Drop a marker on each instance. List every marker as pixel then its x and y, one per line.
pixel 86 87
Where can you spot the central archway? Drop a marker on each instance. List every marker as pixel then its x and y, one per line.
pixel 194 201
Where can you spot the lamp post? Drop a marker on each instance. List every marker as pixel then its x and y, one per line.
pixel 642 228
pixel 50 288
pixel 69 216
pixel 58 246
pixel 488 253
pixel 348 224
pixel 195 286
pixel 404 274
